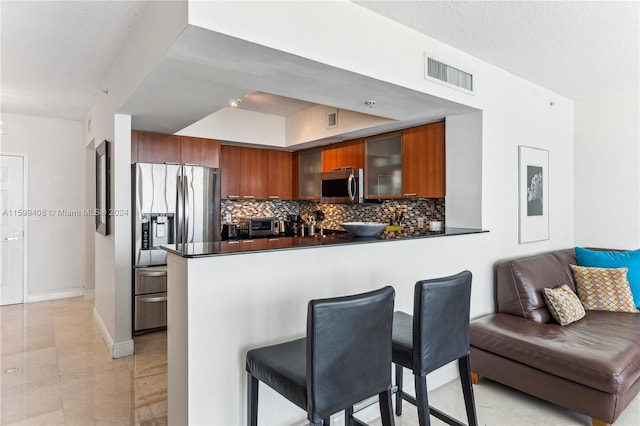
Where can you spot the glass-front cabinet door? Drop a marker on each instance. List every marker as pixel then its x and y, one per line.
pixel 310 169
pixel 383 171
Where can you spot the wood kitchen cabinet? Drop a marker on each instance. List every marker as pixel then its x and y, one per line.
pixel 253 173
pixel 230 171
pixel 279 173
pixel 347 154
pixel 199 151
pixel 423 161
pixel 155 148
pixel 149 147
pixel 253 179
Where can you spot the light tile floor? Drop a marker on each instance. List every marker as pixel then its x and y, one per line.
pixel 56 369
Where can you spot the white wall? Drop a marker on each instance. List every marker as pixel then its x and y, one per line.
pixel 464 170
pixel 56 158
pixel 514 112
pixel 607 172
pixel 161 24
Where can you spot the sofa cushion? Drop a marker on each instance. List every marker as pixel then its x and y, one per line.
pixel 563 304
pixel 519 283
pixel 603 289
pixel 614 259
pixel 601 351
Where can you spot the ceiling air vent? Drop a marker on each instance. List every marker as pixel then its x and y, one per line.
pixel 441 72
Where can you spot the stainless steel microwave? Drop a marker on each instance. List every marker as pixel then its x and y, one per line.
pixel 343 187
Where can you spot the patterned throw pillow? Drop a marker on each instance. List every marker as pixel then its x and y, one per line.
pixel 603 289
pixel 563 304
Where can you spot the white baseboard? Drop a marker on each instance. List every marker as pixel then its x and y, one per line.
pixel 89 294
pixel 54 294
pixel 118 350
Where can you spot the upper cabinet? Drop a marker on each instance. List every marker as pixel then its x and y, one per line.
pixel 423 161
pixel 199 151
pixel 348 154
pixel 155 148
pixel 279 175
pixel 309 169
pixel 253 176
pixel 230 171
pixel 253 173
pixel 383 170
pixel 148 147
pixel 406 164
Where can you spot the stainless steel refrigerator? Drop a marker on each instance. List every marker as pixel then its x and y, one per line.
pixel 172 204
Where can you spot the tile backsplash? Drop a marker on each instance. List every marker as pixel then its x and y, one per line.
pixel 413 210
pixel 278 209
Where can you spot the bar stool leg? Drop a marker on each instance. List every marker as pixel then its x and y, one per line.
pixel 398 390
pixel 252 400
pixel 467 389
pixel 422 401
pixel 386 408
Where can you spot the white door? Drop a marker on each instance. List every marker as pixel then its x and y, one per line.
pixel 12 219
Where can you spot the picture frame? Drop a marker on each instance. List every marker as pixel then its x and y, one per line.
pixel 103 187
pixel 533 185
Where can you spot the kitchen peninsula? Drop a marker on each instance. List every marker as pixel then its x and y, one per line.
pixel 224 302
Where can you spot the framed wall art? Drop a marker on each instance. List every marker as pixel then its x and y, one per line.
pixel 533 184
pixel 102 188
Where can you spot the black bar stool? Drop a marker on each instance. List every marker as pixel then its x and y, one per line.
pixel 438 333
pixel 345 358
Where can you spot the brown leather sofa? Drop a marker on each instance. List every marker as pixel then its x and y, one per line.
pixel 591 366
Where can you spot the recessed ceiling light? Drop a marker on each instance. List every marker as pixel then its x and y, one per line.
pixel 235 103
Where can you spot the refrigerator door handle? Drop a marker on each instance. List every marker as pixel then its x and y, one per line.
pixel 179 210
pixel 187 206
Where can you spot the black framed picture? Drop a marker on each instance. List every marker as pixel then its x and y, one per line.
pixel 103 201
pixel 534 194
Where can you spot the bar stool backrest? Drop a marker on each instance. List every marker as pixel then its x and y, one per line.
pixel 348 350
pixel 440 321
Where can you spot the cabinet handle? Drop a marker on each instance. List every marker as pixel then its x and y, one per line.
pixel 310 198
pixel 274 197
pixel 248 197
pixel 347 168
pixel 233 196
pixel 191 164
pixel 335 169
pixel 169 163
pixel 414 194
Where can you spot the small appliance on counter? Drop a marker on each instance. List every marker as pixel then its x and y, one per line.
pixel 292 225
pixel 229 231
pixel 257 227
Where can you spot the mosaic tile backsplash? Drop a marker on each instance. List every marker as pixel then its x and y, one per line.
pixel 413 210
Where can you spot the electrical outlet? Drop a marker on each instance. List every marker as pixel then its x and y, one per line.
pixel 420 222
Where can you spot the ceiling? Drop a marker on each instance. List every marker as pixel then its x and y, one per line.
pixel 56 55
pixel 578 49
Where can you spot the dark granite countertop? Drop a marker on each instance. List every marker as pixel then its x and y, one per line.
pixel 220 248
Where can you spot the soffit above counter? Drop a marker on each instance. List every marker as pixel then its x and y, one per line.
pixel 203 71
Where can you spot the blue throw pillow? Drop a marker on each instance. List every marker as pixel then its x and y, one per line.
pixel 614 259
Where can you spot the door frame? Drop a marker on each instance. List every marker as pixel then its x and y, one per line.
pixel 25 222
